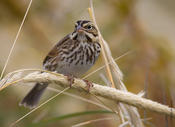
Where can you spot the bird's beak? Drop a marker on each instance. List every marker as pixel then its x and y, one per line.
pixel 79 29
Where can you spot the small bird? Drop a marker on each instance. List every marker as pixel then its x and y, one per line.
pixel 72 56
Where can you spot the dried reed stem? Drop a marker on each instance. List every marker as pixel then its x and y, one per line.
pixel 98 90
pixel 16 38
pixel 91 12
pixel 114 74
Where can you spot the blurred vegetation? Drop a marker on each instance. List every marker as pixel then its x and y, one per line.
pixel 143 27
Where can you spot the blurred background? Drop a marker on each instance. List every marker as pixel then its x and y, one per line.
pixel 145 27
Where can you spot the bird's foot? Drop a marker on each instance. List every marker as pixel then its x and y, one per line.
pixel 70 79
pixel 89 84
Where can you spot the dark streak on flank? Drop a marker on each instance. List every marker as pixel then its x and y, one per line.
pixel 82 58
pixel 94 59
pixel 91 55
pixel 87 54
pixel 66 52
pixel 75 56
pixel 62 59
pixel 91 50
pixel 71 60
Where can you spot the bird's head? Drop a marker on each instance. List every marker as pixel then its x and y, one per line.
pixel 85 31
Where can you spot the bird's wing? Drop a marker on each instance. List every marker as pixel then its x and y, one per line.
pixel 55 50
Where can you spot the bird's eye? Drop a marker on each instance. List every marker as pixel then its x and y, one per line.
pixel 89 27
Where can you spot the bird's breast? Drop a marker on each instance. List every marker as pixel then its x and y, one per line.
pixel 77 60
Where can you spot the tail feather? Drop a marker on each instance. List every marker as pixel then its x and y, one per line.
pixel 33 97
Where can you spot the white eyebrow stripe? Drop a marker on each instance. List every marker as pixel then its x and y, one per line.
pixel 76 24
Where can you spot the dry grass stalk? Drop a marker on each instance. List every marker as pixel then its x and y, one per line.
pixel 102 47
pixel 113 71
pixel 91 121
pixel 16 38
pixel 80 98
pixel 98 90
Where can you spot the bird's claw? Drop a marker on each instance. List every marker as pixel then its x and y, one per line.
pixel 70 79
pixel 89 84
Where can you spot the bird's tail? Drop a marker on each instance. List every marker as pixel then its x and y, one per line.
pixel 33 97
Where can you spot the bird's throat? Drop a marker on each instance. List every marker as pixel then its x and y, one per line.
pixel 81 37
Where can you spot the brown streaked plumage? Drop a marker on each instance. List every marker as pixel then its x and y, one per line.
pixel 75 54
